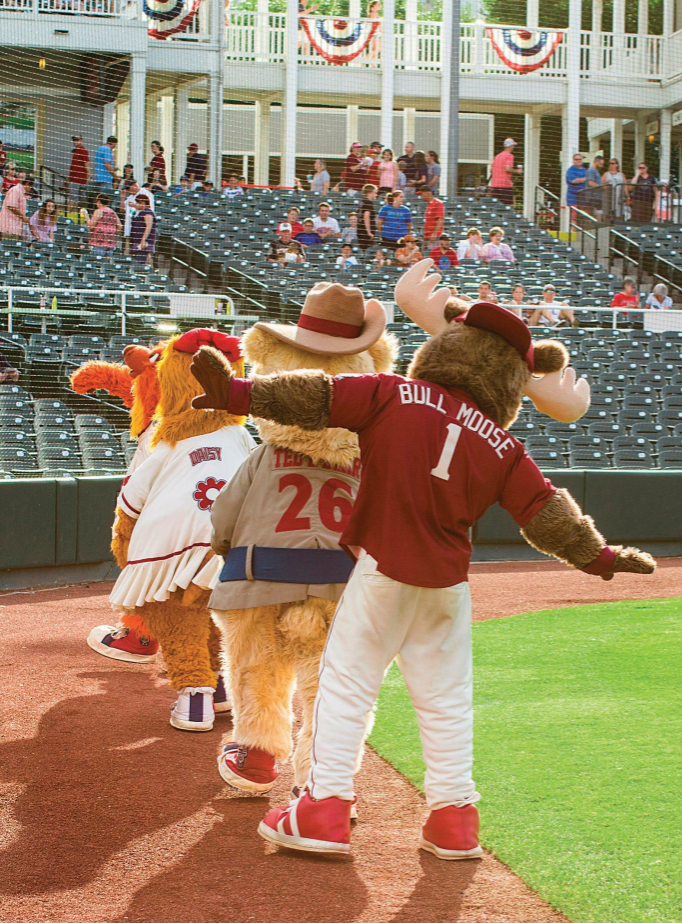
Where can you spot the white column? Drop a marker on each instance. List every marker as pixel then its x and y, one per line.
pixel 166 134
pixel 643 17
pixel 445 51
pixel 668 17
pixel 355 9
pixel 410 115
pixel 262 161
pixel 288 160
pixel 262 29
pixel 665 145
pixel 122 133
pixel 352 122
pixel 618 17
pixel 180 126
pixel 640 142
pixel 597 15
pixel 138 85
pixel 531 164
pixel 151 126
pixel 596 39
pixel 532 13
pixel 387 72
pixel 573 89
pixel 411 41
pixel 617 140
pixel 108 112
pixel 215 128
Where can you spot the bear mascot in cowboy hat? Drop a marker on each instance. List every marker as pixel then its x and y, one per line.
pixel 278 522
pixel 162 535
pixel 136 384
pixel 436 454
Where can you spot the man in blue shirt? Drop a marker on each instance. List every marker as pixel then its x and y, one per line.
pixel 576 180
pixel 394 221
pixel 104 163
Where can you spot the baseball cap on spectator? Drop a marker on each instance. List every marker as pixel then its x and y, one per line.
pixel 76 137
pixel 284 227
pixel 356 144
pixel 549 288
pixel 308 221
pixel 444 237
pixel 193 147
pixel 410 237
pixel 509 142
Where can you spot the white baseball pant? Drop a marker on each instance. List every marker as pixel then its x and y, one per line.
pixel 428 632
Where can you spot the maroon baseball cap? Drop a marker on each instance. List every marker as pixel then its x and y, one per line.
pixel 499 320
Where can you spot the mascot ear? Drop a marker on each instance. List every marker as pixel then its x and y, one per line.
pixel 384 352
pixel 550 356
pixel 258 345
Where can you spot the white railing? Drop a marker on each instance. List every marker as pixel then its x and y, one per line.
pixel 106 8
pixel 198 29
pixel 417 46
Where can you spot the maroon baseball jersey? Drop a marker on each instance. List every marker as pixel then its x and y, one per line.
pixel 432 464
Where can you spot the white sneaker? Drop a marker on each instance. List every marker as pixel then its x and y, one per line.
pixel 222 701
pixel 119 643
pixel 193 710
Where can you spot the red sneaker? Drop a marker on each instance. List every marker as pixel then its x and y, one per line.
pixel 309 825
pixel 122 644
pixel 452 833
pixel 247 768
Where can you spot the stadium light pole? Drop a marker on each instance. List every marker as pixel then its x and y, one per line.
pixel 453 8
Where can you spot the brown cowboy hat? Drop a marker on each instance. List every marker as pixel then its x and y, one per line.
pixel 335 321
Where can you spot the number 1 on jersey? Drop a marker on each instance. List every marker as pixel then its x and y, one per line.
pixel 442 468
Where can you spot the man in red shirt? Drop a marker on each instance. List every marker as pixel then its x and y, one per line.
pixel 158 162
pixel 79 172
pixel 355 172
pixel 434 217
pixel 503 169
pixel 628 298
pixel 443 256
pixel 433 462
pixel 374 151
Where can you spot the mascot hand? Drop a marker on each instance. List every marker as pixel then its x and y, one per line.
pixel 630 561
pixel 213 372
pixel 122 532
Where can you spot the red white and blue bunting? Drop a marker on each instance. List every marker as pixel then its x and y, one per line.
pixel 168 17
pixel 522 50
pixel 339 41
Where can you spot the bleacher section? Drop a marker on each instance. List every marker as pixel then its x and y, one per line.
pixel 635 420
pixel 653 249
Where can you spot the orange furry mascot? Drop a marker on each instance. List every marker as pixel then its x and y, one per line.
pixel 136 384
pixel 162 535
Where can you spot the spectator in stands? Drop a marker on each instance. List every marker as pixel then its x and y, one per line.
pixel 496 249
pixel 105 170
pixel 381 259
pixel 3 158
pixel 292 219
pixel 594 192
pixel 388 171
pixel 407 253
pixel 278 247
pixel 13 218
pixel 434 216
pixel 7 370
pixel 502 172
pixel 455 292
pixel 659 300
pixel 309 237
pixel 320 179
pixel 394 220
pixel 158 162
pixel 644 195
pixel 156 182
pixel 130 210
pixel 127 180
pixel 402 179
pixel 422 170
pixel 409 168
pixel 433 171
pixel 367 227
pixel 143 230
pixel 104 226
pixel 472 247
pixel 516 303
pixel 195 169
pixel 79 172
pixel 443 256
pixel 576 181
pixel 182 187
pixel 355 171
pixel 326 226
pixel 628 298
pixel 615 197
pixel 233 189
pixel 374 152
pixel 207 188
pixel 486 293
pixel 10 177
pixel 554 313
pixel 43 222
pixel 346 260
pixel 349 235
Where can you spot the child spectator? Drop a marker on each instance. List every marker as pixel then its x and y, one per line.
pixel 43 222
pixel 346 260
pixel 309 237
pixel 628 298
pixel 349 235
pixel 292 219
pixel 326 226
pixel 402 178
pixel 233 189
pixel 381 260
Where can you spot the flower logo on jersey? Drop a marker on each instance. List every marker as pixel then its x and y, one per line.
pixel 206 491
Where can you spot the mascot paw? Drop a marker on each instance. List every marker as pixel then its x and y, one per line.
pixel 213 372
pixel 631 561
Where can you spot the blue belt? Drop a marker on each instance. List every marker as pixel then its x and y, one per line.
pixel 286 565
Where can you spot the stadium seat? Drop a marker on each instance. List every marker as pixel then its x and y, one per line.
pixel 670 457
pixel 633 458
pixel 548 458
pixel 589 458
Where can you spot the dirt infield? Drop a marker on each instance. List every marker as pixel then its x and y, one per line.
pixel 109 815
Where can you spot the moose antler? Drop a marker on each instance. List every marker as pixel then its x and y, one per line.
pixel 559 395
pixel 415 296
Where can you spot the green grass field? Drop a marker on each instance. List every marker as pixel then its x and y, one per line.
pixel 578 754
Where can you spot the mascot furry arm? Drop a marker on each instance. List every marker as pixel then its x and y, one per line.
pixel 560 528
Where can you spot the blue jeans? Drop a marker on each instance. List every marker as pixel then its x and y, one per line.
pixel 101 251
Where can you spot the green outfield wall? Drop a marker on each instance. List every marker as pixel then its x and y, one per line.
pixel 58 531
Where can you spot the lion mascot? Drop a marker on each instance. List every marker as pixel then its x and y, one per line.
pixel 436 454
pixel 162 535
pixel 278 522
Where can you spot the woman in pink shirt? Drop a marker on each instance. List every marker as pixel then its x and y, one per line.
pixel 496 250
pixel 43 222
pixel 388 171
pixel 13 218
pixel 104 226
